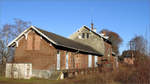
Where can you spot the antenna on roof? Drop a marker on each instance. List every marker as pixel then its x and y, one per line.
pixel 92 24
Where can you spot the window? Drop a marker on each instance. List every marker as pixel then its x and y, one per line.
pixel 89 60
pixel 58 60
pixel 96 60
pixel 83 35
pixel 87 35
pixel 67 60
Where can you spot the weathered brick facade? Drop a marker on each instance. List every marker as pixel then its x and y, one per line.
pixel 129 60
pixel 27 52
pixel 43 55
pixel 47 50
pixel 90 37
pixel 108 55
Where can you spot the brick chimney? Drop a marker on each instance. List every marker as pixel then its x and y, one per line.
pixel 92 26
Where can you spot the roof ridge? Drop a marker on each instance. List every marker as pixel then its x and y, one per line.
pixel 58 41
pixel 98 34
pixel 73 41
pixel 63 37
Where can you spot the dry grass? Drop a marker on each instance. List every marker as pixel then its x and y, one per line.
pixel 138 73
pixel 125 74
pixel 30 81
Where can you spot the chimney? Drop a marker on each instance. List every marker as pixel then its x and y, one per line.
pixel 92 26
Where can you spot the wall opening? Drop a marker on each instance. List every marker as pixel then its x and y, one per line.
pixel 58 60
pixel 89 60
pixel 67 57
pixel 96 60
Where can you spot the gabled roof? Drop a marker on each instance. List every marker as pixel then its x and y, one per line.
pixel 100 35
pixel 59 41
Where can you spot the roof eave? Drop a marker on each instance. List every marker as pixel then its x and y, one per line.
pixel 79 49
pixel 34 28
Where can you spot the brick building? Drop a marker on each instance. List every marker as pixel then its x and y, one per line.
pixel 46 50
pixel 129 56
pixel 99 42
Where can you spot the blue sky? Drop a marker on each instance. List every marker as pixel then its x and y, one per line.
pixel 125 17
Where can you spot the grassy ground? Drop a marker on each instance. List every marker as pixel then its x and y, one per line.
pixel 30 81
pixel 125 74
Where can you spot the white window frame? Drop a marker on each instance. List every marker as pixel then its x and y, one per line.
pixel 58 60
pixel 89 60
pixel 67 60
pixel 96 60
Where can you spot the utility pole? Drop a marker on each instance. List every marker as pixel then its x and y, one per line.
pixel 132 45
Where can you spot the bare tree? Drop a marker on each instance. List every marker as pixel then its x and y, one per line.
pixel 7 33
pixel 3 52
pixel 138 43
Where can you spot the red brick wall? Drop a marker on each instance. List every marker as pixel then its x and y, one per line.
pixel 129 60
pixel 43 55
pixel 108 49
pixel 82 61
pixel 111 59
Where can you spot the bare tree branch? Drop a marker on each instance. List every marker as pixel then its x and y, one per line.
pixel 7 34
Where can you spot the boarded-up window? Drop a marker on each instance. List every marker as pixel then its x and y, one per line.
pixel 58 60
pixel 89 60
pixel 67 58
pixel 96 60
pixel 37 42
pixel 30 42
